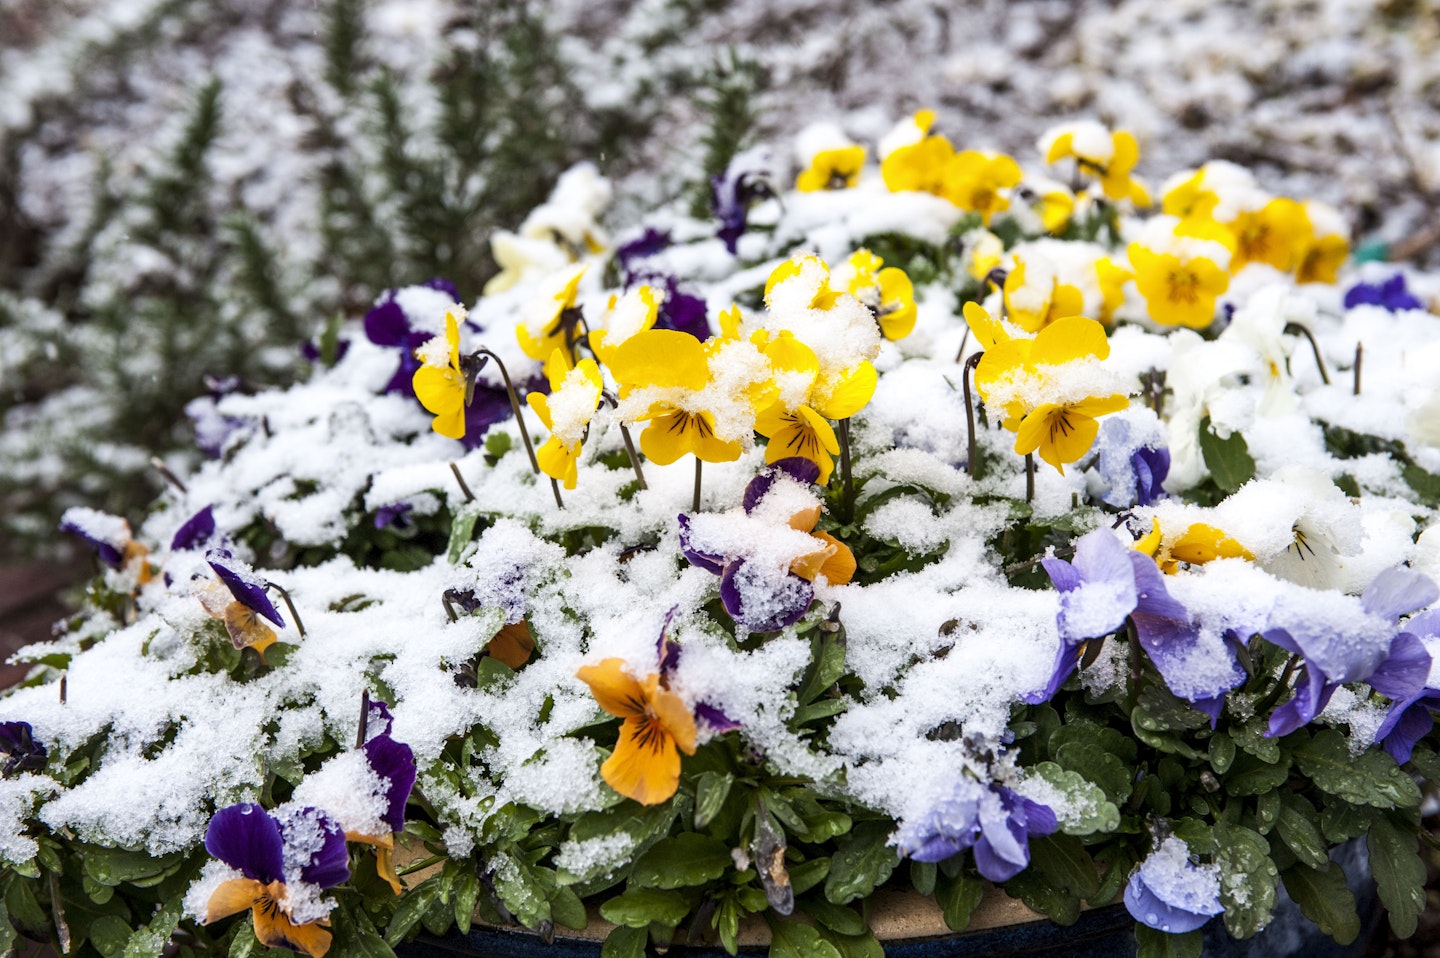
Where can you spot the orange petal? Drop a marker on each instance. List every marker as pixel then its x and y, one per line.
pixel 669 709
pixel 615 690
pixel 246 629
pixel 232 897
pixel 512 645
pixel 273 929
pixel 385 866
pixel 839 568
pixel 645 765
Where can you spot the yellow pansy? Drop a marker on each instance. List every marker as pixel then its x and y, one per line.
pixel 836 169
pixel 921 167
pixel 566 412
pixel 1112 279
pixel 1190 198
pixel 1055 206
pixel 975 181
pixel 1198 544
pixel 987 251
pixel 1320 254
pixel 824 297
pixel 440 387
pixel 1178 291
pixel 645 764
pixel 676 365
pixel 1105 156
pixel 805 430
pixel 546 326
pixel 1035 305
pixel 885 290
pixel 1272 234
pixel 1063 432
pixel 626 315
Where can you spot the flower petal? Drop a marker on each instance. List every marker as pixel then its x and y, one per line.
pixel 615 690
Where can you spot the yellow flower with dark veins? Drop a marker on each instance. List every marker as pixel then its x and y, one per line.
pixel 566 412
pixel 885 290
pixel 645 765
pixel 837 169
pixel 1108 157
pixel 549 320
pixel 1273 234
pixel 676 366
pixel 1198 544
pixel 1063 432
pixel 976 181
pixel 1178 292
pixel 440 385
pixel 1036 304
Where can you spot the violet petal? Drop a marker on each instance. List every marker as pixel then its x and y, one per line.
pixel 246 838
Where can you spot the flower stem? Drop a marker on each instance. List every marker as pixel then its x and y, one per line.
pixel 1359 355
pixel 469 496
pixel 1314 348
pixel 1029 477
pixel 972 466
pixel 634 459
pixel 64 683
pixel 695 505
pixel 1281 687
pixel 515 408
pixel 847 502
pixel 555 488
pixel 363 727
pixel 159 466
pixel 299 626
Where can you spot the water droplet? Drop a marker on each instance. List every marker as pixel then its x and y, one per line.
pixel 1165 926
pixel 1151 918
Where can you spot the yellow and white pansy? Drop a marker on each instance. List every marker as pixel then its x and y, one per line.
pixel 626 315
pixel 1181 269
pixel 574 396
pixel 1100 155
pixel 543 322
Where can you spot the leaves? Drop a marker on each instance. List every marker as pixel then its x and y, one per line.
pixel 1324 899
pixel 1247 878
pixel 1298 826
pixel 1228 460
pixel 711 790
pixel 790 939
pixel 1252 776
pixel 1061 873
pixel 639 907
pixel 864 861
pixel 957 898
pixel 1399 873
pixel 1151 943
pixel 1370 778
pixel 1088 808
pixel 687 859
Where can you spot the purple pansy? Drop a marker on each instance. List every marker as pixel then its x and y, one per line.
pixel 243 584
pixel 645 245
pixel 1106 584
pixel 108 535
pixel 683 312
pixel 294 844
pixel 195 532
pixel 390 760
pixel 745 181
pixel 1390 293
pixel 993 820
pixel 1397 667
pixel 1151 466
pixel 1410 717
pixel 1131 463
pixel 1170 893
pixel 20 750
pixel 396 514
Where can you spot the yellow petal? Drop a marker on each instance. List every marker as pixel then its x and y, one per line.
pixel 1150 543
pixel 559 461
pixel 669 709
pixel 541 404
pixel 385 867
pixel 246 628
pixel 808 566
pixel 645 765
pixel 615 690
pixel 987 331
pixel 839 567
pixel 1069 339
pixel 1060 148
pixel 850 394
pixel 661 357
pixel 232 897
pixel 273 929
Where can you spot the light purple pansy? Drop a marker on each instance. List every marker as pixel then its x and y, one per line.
pixel 1170 893
pixel 1411 716
pixel 992 820
pixel 1398 668
pixel 243 584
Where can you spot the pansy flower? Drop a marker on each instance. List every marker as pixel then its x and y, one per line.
pixel 1411 717
pixel 761 595
pixel 239 600
pixel 195 531
pixel 550 319
pixel 281 861
pixel 1099 155
pixel 1132 463
pixel 1320 254
pixel 885 290
pixel 1180 269
pixel 566 412
pixel 834 169
pixel 1034 303
pixel 1393 661
pixel 1273 234
pixel 922 166
pixel 1171 893
pixel 657 727
pixel 388 324
pixel 980 181
pixel 1390 293
pixel 668 372
pixel 440 384
pixel 747 180
pixel 365 790
pixel 995 822
pixel 19 752
pixel 110 537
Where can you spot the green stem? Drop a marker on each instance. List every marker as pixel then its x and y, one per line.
pixel 1359 355
pixel 364 725
pixel 299 626
pixel 1029 477
pixel 847 506
pixel 1314 348
pixel 695 506
pixel 469 496
pixel 634 459
pixel 515 408
pixel 971 465
pixel 413 867
pixel 555 488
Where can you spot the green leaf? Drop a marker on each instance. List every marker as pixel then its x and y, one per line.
pixel 1426 484
pixel 864 861
pixel 1324 899
pixel 687 859
pixel 838 918
pixel 356 936
pixel 244 944
pixel 462 531
pixel 152 938
pixel 639 907
pixel 1341 821
pixel 625 942
pixel 1251 776
pixel 1228 460
pixel 827 664
pixel 8 935
pixel 1370 778
pixel 411 909
pixel 711 790
pixel 1427 763
pixel 790 939
pixel 1252 740
pixel 1161 944
pixel 853 946
pixel 115 866
pixel 922 876
pixel 521 889
pixel 957 898
pixel 567 909
pixel 1299 828
pixel 1222 752
pixel 1100 767
pixel 109 934
pixel 1061 873
pixel 1087 808
pixel 1247 878
pixel 1160 710
pixel 807 875
pixel 1399 873
pixel 464 894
